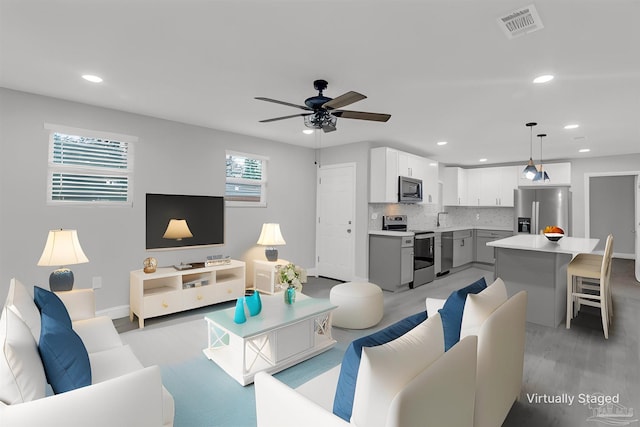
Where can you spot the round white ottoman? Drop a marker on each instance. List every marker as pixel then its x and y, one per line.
pixel 360 305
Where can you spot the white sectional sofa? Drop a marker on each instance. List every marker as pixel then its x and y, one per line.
pixel 452 396
pixel 122 392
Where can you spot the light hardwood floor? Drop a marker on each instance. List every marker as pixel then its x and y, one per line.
pixel 559 363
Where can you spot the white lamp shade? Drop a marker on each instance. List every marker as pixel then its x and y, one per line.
pixel 271 235
pixel 62 248
pixel 177 230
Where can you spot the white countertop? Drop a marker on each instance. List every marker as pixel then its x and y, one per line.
pixel 475 227
pixel 441 230
pixel 537 242
pixel 392 233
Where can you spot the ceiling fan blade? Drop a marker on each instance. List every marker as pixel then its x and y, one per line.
pixel 285 117
pixel 283 103
pixel 361 115
pixel 344 99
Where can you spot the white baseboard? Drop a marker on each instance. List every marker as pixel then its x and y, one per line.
pixel 114 312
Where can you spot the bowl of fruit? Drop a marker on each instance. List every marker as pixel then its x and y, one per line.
pixel 553 233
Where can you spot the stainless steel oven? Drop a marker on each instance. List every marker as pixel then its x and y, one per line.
pixel 423 257
pixel 423 249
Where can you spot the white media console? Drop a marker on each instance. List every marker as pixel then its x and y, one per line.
pixel 168 290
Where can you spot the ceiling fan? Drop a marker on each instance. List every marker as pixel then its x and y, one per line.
pixel 323 112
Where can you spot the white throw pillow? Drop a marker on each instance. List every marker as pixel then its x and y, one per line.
pixel 386 369
pixel 433 305
pixel 21 302
pixel 479 307
pixel 22 377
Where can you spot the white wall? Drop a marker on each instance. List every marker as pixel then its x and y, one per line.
pixel 170 157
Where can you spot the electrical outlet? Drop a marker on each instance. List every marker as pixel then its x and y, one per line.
pixel 477 217
pixel 97 282
pixel 374 215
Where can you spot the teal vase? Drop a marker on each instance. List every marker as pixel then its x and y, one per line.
pixel 290 295
pixel 254 303
pixel 239 316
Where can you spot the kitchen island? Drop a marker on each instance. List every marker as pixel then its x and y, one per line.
pixel 532 263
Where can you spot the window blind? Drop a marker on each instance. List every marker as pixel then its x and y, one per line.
pixel 89 170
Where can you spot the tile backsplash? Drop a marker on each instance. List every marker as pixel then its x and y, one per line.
pixel 424 217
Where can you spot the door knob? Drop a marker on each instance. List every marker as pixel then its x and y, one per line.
pixel 348 230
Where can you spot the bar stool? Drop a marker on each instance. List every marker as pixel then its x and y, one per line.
pixel 596 271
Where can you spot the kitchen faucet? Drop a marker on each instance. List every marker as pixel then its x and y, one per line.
pixel 438 218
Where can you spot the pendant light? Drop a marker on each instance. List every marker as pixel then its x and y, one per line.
pixel 541 175
pixel 530 170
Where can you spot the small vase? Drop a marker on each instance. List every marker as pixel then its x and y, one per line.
pixel 290 295
pixel 254 303
pixel 239 316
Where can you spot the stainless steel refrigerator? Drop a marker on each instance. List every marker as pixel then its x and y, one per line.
pixel 535 208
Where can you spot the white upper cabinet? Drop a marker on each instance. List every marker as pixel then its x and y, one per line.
pixel 383 175
pixel 480 186
pixel 559 174
pixel 386 164
pixel 454 187
pixel 430 182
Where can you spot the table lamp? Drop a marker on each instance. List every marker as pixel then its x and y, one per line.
pixel 62 248
pixel 271 236
pixel 177 229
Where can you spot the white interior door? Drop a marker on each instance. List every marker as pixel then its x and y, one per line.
pixel 335 235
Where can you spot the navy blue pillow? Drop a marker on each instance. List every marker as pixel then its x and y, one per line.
pixel 451 312
pixel 64 356
pixel 343 401
pixel 49 303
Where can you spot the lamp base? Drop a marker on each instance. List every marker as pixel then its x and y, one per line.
pixel 271 254
pixel 61 280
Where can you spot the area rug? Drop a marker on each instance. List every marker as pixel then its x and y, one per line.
pixel 205 396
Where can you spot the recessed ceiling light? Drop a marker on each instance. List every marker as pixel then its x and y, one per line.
pixel 442 142
pixel 307 131
pixel 482 160
pixel 91 78
pixel 543 79
pixel 584 150
pixel 433 164
pixel 572 126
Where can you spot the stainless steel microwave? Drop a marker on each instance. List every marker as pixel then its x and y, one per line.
pixel 409 190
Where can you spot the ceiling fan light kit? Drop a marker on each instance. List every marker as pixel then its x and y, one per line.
pixel 530 170
pixel 323 112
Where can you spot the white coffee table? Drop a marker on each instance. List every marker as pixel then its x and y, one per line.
pixel 279 337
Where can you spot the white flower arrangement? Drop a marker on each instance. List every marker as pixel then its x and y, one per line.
pixel 289 275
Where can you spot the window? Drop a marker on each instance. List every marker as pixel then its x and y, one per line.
pixel 89 167
pixel 246 180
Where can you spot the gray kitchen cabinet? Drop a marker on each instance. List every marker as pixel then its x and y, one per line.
pixel 462 247
pixel 391 261
pixel 484 253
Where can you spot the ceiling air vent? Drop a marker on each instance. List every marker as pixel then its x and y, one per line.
pixel 520 21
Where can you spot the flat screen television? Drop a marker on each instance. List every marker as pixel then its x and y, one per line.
pixel 204 216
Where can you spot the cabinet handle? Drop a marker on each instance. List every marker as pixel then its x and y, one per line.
pixel 164 304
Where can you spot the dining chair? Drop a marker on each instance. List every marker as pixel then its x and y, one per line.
pixel 588 283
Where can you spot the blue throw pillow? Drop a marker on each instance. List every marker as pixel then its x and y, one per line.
pixel 343 401
pixel 451 312
pixel 64 356
pixel 49 303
